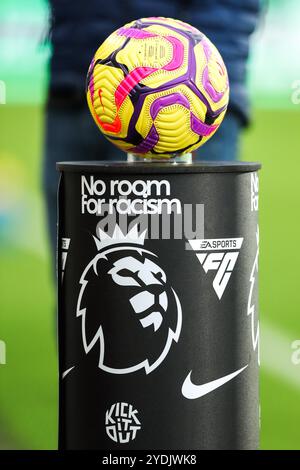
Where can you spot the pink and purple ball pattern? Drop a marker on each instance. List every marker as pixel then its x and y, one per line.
pixel 158 87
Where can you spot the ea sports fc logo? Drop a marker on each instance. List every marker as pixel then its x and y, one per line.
pixel 130 314
pixel 219 255
pixel 122 423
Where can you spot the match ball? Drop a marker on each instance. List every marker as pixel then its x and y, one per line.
pixel 157 88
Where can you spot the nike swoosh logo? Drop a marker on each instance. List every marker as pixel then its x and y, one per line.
pixel 192 391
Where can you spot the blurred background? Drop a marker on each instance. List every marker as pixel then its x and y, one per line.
pixel 28 380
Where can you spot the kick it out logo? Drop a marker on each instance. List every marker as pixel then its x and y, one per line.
pixel 122 423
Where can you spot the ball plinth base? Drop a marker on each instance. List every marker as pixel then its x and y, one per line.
pixel 157 268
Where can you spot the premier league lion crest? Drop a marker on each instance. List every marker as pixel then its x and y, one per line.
pixel 138 315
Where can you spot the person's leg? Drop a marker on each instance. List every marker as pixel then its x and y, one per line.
pixel 70 135
pixel 224 145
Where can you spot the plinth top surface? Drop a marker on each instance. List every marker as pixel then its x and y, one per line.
pixel 157 167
